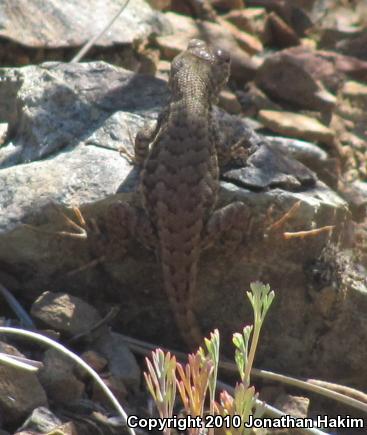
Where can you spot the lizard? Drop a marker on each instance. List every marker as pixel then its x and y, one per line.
pixel 179 160
pixel 179 180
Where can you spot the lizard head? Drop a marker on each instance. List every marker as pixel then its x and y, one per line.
pixel 202 64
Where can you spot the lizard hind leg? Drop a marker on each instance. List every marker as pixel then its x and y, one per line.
pixel 230 223
pixel 121 223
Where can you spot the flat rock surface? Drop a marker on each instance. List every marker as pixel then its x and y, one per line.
pixel 58 378
pixel 296 125
pixel 121 362
pixel 20 393
pixel 41 420
pixel 84 97
pixel 65 313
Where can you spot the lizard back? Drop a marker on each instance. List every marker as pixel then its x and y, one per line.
pixel 180 178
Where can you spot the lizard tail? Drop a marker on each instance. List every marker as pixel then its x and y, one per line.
pixel 189 328
pixel 180 286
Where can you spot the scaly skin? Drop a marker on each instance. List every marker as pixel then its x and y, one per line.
pixel 180 176
pixel 179 185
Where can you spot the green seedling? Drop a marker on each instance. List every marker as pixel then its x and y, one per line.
pixel 161 382
pixel 199 375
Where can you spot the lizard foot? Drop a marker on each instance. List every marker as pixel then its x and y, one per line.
pixel 79 226
pixel 110 236
pixel 275 228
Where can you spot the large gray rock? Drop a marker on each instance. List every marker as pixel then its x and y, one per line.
pixel 36 31
pixel 66 125
pixel 73 23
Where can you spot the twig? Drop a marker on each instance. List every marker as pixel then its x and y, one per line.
pixel 45 340
pixel 87 266
pixel 328 390
pixel 308 233
pixel 348 391
pixel 21 313
pixel 95 38
pixel 286 216
pixel 108 317
pixel 270 410
pixel 20 363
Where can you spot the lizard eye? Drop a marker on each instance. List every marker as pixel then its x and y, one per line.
pixel 222 55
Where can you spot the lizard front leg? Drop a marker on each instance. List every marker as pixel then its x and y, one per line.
pixel 108 234
pixel 146 136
